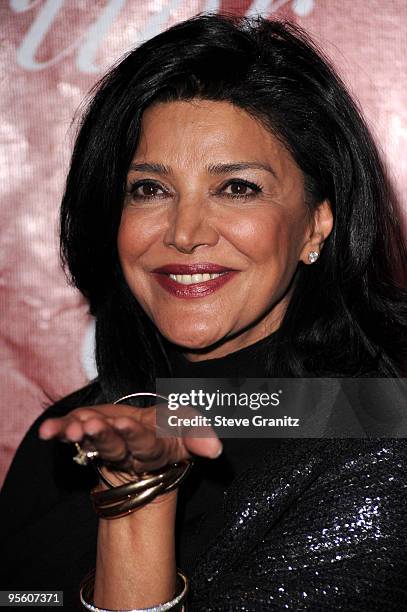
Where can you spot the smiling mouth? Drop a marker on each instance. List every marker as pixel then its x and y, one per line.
pixel 202 280
pixel 191 279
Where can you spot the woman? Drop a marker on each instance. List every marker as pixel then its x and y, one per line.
pixel 222 147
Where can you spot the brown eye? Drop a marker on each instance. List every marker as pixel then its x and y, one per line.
pixel 241 189
pixel 238 188
pixel 146 190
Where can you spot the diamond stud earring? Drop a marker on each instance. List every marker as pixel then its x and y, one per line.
pixel 313 256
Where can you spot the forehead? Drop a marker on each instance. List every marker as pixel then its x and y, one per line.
pixel 190 132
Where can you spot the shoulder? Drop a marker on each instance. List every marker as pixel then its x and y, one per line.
pixel 363 468
pixel 368 454
pixel 359 467
pixel 342 449
pixel 315 480
pixel 318 513
pixel 357 504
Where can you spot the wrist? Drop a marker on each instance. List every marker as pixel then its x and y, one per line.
pixel 118 501
pixel 136 562
pixel 161 508
pixel 176 604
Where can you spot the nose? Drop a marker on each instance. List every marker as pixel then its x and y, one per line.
pixel 189 227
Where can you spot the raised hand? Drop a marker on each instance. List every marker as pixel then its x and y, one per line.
pixel 125 438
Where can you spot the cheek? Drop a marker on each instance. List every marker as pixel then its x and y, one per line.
pixel 134 238
pixel 131 245
pixel 265 238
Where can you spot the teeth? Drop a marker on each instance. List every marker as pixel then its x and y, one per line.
pixel 189 279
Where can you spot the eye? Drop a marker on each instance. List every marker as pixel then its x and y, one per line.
pixel 239 188
pixel 146 190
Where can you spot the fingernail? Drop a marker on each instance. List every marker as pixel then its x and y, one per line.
pixel 75 437
pixel 91 431
pixel 217 453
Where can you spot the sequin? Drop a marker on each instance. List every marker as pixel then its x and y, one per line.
pixel 325 529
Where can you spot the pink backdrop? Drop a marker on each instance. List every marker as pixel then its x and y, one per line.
pixel 52 51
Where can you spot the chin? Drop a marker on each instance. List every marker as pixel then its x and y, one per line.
pixel 192 339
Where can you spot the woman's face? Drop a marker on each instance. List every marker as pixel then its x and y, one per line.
pixel 213 226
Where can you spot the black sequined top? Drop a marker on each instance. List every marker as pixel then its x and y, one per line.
pixel 272 524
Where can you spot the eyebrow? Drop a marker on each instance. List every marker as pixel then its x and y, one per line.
pixel 235 167
pixel 154 168
pixel 212 168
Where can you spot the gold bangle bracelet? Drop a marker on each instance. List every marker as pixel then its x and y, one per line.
pixel 121 500
pixel 118 501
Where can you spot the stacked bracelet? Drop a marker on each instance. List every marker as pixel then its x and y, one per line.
pixel 118 501
pixel 176 604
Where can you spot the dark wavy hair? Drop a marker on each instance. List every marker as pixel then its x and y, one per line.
pixel 347 315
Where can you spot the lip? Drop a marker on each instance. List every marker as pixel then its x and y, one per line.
pixel 197 268
pixel 194 290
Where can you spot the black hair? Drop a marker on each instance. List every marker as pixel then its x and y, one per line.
pixel 347 313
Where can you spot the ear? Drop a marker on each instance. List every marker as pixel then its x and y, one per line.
pixel 318 231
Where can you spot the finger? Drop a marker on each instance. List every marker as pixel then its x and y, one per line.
pixel 199 439
pixel 50 428
pixel 110 444
pixel 105 410
pixel 206 447
pixel 142 443
pixel 55 427
pixel 74 431
pixel 58 427
pixel 66 429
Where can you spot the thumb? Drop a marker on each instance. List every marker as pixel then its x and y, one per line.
pixel 210 447
pixel 197 434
